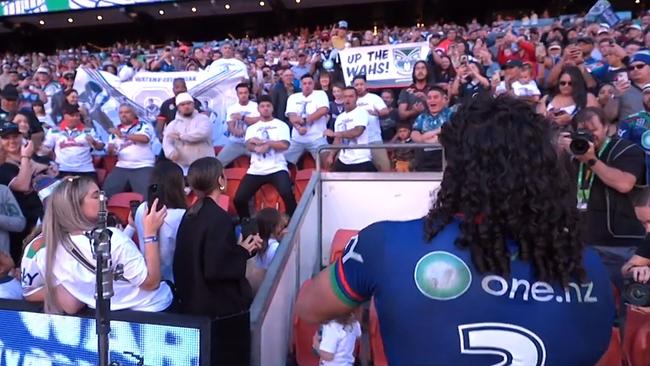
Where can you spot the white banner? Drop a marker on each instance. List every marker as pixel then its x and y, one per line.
pixel 383 66
pixel 101 93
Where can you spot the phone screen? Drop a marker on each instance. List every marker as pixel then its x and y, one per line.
pixel 249 227
pixel 152 193
pixel 133 205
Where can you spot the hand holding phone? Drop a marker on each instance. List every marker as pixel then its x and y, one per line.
pixel 154 192
pixel 133 205
pixel 249 227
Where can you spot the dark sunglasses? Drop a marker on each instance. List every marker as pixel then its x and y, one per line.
pixel 638 67
pixel 565 83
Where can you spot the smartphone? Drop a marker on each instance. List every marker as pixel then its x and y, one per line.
pixel 153 192
pixel 133 205
pixel 621 77
pixel 249 227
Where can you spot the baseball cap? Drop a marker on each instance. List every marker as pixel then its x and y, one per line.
pixel 8 128
pixel 513 63
pixel 646 88
pixel 183 98
pixel 43 70
pixel 343 24
pixel 633 26
pixel 10 92
pixel 641 56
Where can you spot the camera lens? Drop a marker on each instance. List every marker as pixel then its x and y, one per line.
pixel 579 146
pixel 637 294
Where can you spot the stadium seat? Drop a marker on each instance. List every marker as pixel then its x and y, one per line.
pixel 242 162
pixel 267 196
pixel 614 354
pixel 376 343
pixel 341 239
pixel 234 177
pixel 301 181
pixel 119 204
pixel 306 161
pixel 303 334
pixel 98 161
pixel 101 176
pixel 109 163
pixel 636 339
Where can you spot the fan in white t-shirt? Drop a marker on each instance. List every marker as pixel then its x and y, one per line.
pixel 351 128
pixel 9 286
pixel 336 342
pixel 307 111
pixel 376 108
pixel 239 116
pixel 267 140
pixel 131 143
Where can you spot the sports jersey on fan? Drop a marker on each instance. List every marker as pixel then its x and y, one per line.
pixel 303 106
pixel 131 155
pixel 372 102
pixel 248 110
pixel 358 117
pixel 271 161
pixel 32 266
pixel 435 309
pixel 71 148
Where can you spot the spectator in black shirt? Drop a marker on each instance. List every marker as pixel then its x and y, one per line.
pixel 168 108
pixel 412 100
pixel 637 266
pixel 210 264
pixel 607 173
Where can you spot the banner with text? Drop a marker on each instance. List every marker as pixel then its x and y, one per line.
pixel 383 66
pixel 101 94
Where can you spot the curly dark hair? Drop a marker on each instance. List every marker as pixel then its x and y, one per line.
pixel 504 177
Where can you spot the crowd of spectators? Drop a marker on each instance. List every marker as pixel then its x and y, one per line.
pixel 581 76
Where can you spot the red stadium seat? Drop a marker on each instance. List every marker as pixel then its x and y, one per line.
pixel 98 161
pixel 224 202
pixel 636 339
pixel 101 176
pixel 234 177
pixel 614 354
pixel 119 204
pixel 242 162
pixel 306 161
pixel 301 181
pixel 303 335
pixel 267 196
pixel 376 343
pixel 341 239
pixel 109 163
pixel 191 198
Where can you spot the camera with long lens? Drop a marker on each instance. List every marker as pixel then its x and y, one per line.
pixel 580 142
pixel 636 293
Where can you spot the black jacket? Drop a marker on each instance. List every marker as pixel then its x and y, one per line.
pixel 209 265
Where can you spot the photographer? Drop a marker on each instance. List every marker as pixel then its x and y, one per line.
pixel 608 170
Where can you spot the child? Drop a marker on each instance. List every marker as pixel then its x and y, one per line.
pixel 335 345
pixel 271 225
pixel 525 87
pixel 403 157
pixel 10 288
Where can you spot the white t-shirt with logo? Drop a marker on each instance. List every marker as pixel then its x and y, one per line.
pixel 248 110
pixel 132 155
pixel 528 89
pixel 272 161
pixel 371 102
pixel 340 340
pixel 73 152
pixel 347 121
pixel 80 282
pixel 32 266
pixel 303 106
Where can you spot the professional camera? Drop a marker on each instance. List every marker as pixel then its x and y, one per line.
pixel 636 293
pixel 580 141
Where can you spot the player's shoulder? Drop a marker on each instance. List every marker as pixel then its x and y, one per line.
pixel 382 231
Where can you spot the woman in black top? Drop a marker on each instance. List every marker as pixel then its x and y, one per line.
pixel 210 265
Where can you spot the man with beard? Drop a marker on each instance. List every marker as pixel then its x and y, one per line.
pixel 412 100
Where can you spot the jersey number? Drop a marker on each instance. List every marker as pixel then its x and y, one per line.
pixel 518 346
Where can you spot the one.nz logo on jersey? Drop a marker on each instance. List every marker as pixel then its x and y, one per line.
pixel 442 276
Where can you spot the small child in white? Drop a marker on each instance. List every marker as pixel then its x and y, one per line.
pixel 337 341
pixel 10 288
pixel 525 86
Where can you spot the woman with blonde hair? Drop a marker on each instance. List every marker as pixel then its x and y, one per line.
pixel 70 215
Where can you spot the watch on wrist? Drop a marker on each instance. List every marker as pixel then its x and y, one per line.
pixel 592 162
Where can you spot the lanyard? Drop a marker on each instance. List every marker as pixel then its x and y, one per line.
pixel 584 190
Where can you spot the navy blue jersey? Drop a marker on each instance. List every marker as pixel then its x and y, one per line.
pixel 435 309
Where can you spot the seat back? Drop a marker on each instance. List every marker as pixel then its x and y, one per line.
pixel 109 163
pixel 301 181
pixel 636 340
pixel 307 162
pixel 120 206
pixel 242 162
pixel 267 196
pixel 376 344
pixel 341 239
pixel 101 176
pixel 303 335
pixel 614 354
pixel 234 177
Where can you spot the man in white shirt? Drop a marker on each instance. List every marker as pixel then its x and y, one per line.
pixel 350 128
pixel 239 116
pixel 130 142
pixel 307 112
pixel 189 136
pixel 376 108
pixel 267 140
pixel 72 144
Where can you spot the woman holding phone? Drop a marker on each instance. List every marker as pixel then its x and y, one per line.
pixel 210 265
pixel 568 98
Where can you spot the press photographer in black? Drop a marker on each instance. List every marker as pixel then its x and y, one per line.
pixel 608 170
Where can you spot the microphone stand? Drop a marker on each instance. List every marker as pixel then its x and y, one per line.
pixel 101 242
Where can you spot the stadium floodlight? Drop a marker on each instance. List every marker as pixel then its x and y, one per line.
pixel 41 22
pixel 193 9
pixel 297 1
pixel 227 6
pixel 262 3
pixel 100 18
pixel 161 12
pixel 70 20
